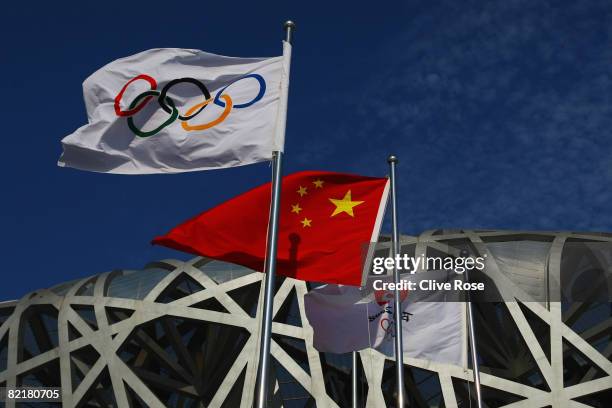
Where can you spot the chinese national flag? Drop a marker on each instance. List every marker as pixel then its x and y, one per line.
pixel 327 220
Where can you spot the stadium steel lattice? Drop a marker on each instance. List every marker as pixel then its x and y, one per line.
pixel 184 334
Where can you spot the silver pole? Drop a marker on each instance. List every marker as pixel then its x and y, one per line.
pixel 472 335
pixel 399 348
pixel 263 368
pixel 354 381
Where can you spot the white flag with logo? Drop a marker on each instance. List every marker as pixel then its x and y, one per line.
pixel 172 110
pixel 343 322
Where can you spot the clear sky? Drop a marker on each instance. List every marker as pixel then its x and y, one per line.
pixel 500 113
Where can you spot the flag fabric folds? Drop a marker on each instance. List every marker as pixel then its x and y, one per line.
pixel 171 110
pixel 327 221
pixel 346 319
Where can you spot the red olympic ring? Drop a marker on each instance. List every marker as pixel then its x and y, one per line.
pixel 142 103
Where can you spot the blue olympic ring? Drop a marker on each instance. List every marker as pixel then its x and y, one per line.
pixel 262 91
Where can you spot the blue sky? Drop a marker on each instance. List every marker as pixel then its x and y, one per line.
pixel 500 113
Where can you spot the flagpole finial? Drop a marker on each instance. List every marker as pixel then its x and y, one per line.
pixel 393 159
pixel 289 28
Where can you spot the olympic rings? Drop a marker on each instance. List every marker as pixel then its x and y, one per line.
pixel 167 104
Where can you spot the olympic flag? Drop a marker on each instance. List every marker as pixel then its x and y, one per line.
pixel 171 110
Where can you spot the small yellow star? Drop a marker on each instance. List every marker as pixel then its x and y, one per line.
pixel 302 191
pixel 295 208
pixel 345 205
pixel 306 222
pixel 318 183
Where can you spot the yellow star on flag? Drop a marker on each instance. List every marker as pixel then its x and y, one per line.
pixel 306 222
pixel 302 191
pixel 345 205
pixel 295 208
pixel 318 183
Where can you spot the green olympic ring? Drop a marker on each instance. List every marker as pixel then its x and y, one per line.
pixel 138 132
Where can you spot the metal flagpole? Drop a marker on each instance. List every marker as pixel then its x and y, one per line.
pixel 354 381
pixel 263 368
pixel 399 347
pixel 472 335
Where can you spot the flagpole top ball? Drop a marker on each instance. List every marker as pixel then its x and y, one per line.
pixel 289 25
pixel 393 159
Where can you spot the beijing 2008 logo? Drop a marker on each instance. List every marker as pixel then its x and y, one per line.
pixel 221 99
pixel 383 298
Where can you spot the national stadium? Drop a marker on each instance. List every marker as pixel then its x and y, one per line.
pixel 185 334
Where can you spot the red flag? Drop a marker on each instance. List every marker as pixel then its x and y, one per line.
pixel 326 222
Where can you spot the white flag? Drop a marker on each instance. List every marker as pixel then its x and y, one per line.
pixel 343 322
pixel 174 110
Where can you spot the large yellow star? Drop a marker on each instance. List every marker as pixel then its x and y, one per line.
pixel 306 222
pixel 295 208
pixel 345 205
pixel 302 191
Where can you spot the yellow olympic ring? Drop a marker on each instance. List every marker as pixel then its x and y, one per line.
pixel 221 118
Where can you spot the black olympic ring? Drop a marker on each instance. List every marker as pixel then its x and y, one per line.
pixel 162 96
